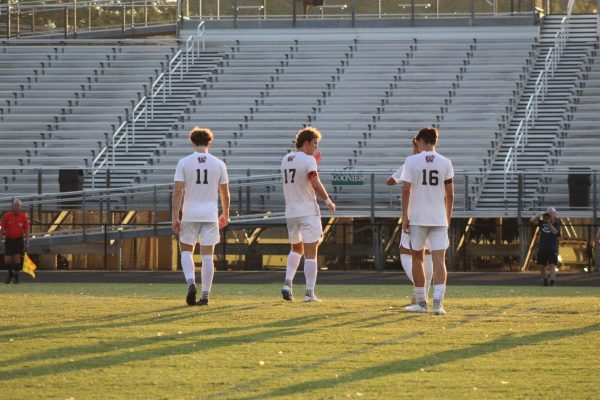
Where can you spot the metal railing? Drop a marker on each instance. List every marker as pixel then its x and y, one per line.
pixel 163 83
pixel 51 18
pixel 540 91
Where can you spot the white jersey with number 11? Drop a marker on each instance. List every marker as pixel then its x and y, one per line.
pixel 202 174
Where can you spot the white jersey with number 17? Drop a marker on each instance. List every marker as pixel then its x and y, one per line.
pixel 300 199
pixel 202 174
pixel 428 172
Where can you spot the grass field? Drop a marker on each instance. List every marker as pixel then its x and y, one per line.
pixel 124 341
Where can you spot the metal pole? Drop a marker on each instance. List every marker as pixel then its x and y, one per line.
pixel 32 20
pixel 83 216
pixel 472 12
pixel 412 13
pixel 294 13
pixel 75 17
pixel 123 19
pixel 66 22
pixel 521 229
pixel 466 192
pixel 200 9
pixel 595 216
pixel 375 228
pixel 235 13
pixel 353 12
pixel 18 21
pixel 8 27
pixel 155 211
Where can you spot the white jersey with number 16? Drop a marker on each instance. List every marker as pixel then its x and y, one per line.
pixel 428 172
pixel 202 174
pixel 300 199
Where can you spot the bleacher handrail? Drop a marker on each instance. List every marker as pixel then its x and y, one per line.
pixel 182 59
pixel 540 90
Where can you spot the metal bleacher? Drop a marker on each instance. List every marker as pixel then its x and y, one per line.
pixel 368 92
pixel 61 102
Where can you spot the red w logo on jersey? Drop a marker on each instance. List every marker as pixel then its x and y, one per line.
pixel 201 160
pixel 429 159
pixel 291 158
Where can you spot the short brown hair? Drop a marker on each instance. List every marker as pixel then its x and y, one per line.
pixel 201 136
pixel 429 135
pixel 306 135
pixel 414 141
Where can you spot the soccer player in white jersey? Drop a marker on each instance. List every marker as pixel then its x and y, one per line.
pixel 405 245
pixel 199 179
pixel 427 201
pixel 301 184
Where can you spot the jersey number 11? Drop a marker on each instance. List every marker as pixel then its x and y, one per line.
pixel 199 180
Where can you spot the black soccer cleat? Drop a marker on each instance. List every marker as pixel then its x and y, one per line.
pixel 9 278
pixel 16 278
pixel 287 294
pixel 191 296
pixel 202 302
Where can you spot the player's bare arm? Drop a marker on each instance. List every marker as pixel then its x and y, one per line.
pixel 225 202
pixel 176 206
pixel 449 186
pixel 320 190
pixel 405 200
pixel 391 181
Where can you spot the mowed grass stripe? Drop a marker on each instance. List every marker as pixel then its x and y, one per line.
pixel 140 341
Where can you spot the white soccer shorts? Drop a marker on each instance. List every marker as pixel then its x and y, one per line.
pixel 304 229
pixel 206 233
pixel 437 235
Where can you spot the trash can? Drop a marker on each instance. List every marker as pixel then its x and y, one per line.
pixel 70 180
pixel 579 187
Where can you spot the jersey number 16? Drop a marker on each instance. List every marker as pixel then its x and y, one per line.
pixel 433 178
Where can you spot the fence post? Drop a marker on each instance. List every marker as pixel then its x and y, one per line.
pixel 294 13
pixel 66 21
pixel 467 205
pixel 8 27
pixel 595 217
pixel 472 12
pixel 235 13
pixel 83 216
pixel 412 13
pixel 353 12
pixel 521 228
pixel 123 18
pixel 18 21
pixel 375 228
pixel 155 211
pixel 75 18
pixel 248 194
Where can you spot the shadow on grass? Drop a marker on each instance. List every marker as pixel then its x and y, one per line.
pixel 412 365
pixel 282 328
pixel 186 312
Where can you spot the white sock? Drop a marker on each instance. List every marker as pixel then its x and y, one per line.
pixel 310 273
pixel 438 292
pixel 187 263
pixel 428 264
pixel 406 262
pixel 293 261
pixel 208 271
pixel 420 295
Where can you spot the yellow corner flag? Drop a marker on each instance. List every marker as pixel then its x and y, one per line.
pixel 29 266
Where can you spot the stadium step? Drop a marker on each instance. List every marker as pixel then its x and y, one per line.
pixel 151 136
pixel 551 113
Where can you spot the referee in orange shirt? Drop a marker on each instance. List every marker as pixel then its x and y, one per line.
pixel 15 228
